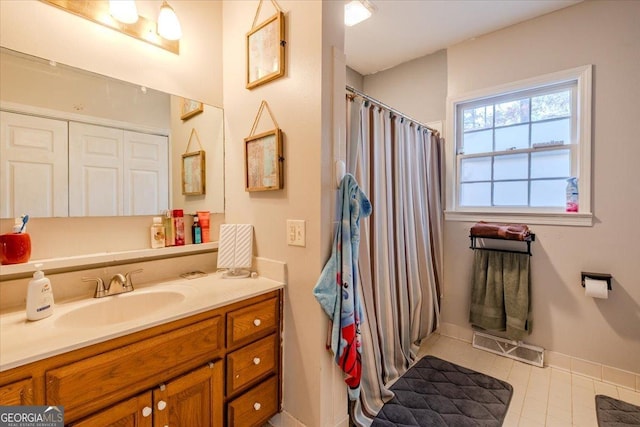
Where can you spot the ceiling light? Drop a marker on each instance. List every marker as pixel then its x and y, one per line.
pixel 124 11
pixel 357 11
pixel 105 12
pixel 168 24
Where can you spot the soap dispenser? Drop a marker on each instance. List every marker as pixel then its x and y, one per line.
pixel 39 296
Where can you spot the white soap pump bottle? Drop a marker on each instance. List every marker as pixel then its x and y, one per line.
pixel 39 296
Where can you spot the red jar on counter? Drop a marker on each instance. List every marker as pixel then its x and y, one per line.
pixel 15 248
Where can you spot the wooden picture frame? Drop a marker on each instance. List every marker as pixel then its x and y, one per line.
pixel 190 108
pixel 263 161
pixel 194 173
pixel 265 51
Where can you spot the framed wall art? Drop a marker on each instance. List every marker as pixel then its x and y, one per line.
pixel 190 108
pixel 263 161
pixel 194 169
pixel 265 51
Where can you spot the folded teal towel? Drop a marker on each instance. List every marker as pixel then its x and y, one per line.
pixel 500 292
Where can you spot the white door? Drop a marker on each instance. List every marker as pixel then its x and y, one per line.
pixel 146 173
pixel 96 162
pixel 33 166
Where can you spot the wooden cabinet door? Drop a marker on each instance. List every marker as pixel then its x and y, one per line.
pixel 134 412
pixel 195 399
pixel 33 166
pixel 18 393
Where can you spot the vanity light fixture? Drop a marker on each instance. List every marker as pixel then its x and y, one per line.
pixel 357 11
pixel 168 24
pixel 101 12
pixel 124 11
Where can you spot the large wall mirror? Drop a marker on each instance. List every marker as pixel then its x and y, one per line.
pixel 75 143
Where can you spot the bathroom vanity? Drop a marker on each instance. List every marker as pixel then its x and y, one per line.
pixel 213 358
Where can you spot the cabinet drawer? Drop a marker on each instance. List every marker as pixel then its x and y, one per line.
pixel 256 406
pixel 246 365
pixel 110 376
pixel 252 322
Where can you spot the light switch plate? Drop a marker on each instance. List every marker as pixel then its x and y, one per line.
pixel 296 232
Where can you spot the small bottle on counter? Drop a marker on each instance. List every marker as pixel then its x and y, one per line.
pixel 196 231
pixel 203 220
pixel 169 229
pixel 178 220
pixel 158 237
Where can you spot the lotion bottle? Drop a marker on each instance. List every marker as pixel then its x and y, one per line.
pixel 39 296
pixel 157 233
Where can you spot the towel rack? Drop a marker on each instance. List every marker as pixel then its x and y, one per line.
pixel 530 238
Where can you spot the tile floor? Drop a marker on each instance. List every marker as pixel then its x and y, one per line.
pixel 541 396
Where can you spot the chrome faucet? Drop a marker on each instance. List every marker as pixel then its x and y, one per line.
pixel 119 284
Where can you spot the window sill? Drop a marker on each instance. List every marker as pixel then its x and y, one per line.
pixel 546 218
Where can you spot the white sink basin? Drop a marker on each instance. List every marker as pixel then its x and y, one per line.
pixel 118 309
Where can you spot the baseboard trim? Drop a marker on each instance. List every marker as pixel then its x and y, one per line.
pixel 574 365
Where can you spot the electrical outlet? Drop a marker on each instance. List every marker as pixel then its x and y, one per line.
pixel 296 232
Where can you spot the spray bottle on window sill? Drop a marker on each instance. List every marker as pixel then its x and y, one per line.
pixel 572 194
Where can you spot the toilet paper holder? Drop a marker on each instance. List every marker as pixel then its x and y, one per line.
pixel 597 276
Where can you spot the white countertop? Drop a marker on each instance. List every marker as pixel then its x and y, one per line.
pixel 23 341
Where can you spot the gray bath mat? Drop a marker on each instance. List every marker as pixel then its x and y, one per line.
pixel 616 413
pixel 435 392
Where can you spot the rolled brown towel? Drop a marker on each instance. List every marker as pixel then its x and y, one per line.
pixel 500 231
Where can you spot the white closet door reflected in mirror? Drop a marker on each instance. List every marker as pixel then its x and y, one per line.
pixel 116 172
pixel 33 166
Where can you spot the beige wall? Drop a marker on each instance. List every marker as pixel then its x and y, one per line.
pixel 425 79
pixel 302 111
pixel 355 79
pixel 563 319
pixel 41 30
pixel 594 32
pixel 30 81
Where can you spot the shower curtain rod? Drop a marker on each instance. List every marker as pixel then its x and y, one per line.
pixel 393 110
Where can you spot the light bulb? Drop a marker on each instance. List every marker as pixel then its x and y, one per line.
pixel 168 24
pixel 124 11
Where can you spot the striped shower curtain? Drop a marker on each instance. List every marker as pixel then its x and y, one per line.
pixel 397 164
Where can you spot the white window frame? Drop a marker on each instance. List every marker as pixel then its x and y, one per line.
pixel 583 78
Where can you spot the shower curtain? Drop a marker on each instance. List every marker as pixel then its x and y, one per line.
pixel 397 164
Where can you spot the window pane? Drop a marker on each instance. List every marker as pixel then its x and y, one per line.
pixel 512 137
pixel 512 193
pixel 477 118
pixel 555 130
pixel 478 142
pixel 475 169
pixel 512 112
pixel 511 166
pixel 478 194
pixel 548 193
pixel 551 164
pixel 550 106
